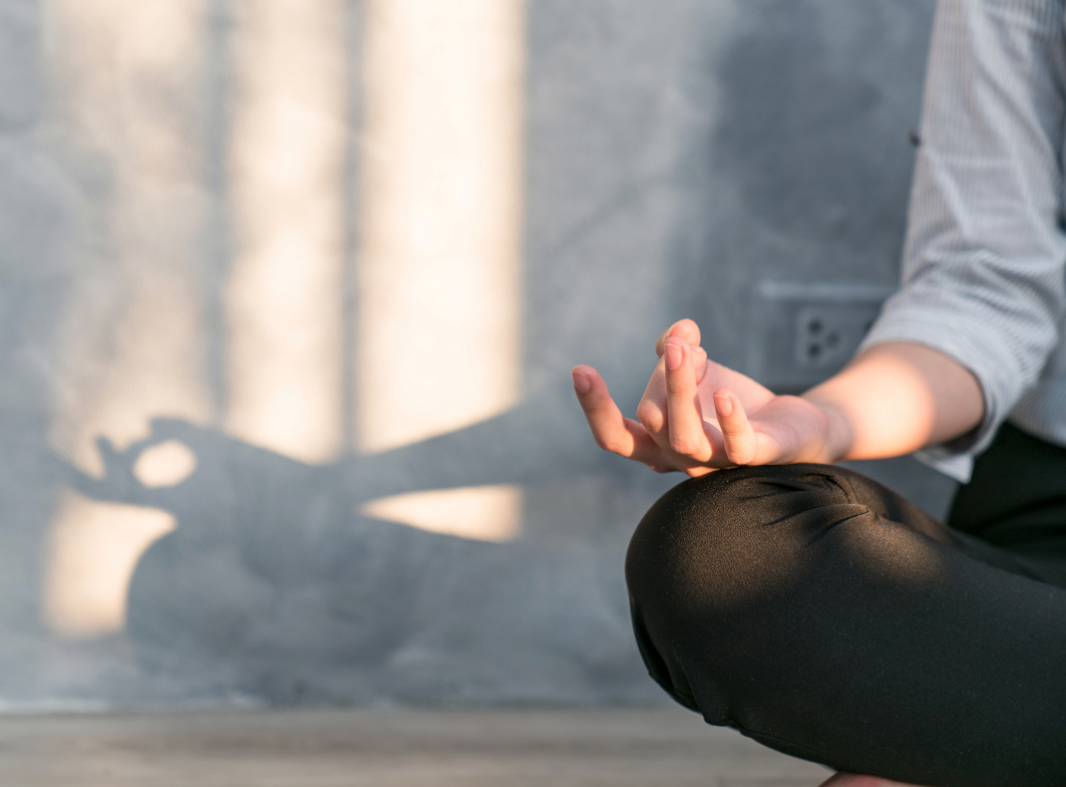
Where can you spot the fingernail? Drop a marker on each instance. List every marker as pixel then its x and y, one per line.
pixel 582 384
pixel 673 356
pixel 724 405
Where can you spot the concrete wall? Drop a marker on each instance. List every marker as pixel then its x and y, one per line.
pixel 159 544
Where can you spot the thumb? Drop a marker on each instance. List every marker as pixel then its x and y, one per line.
pixel 686 330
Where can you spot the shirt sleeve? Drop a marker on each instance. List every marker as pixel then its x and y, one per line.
pixel 983 261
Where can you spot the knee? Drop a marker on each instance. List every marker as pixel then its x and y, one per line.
pixel 730 536
pixel 718 559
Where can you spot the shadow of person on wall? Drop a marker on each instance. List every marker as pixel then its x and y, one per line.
pixel 274 588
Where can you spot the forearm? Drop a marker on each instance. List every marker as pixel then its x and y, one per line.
pixel 895 398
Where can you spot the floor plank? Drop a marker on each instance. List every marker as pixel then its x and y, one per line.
pixel 389 748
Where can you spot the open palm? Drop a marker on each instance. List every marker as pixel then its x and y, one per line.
pixel 697 416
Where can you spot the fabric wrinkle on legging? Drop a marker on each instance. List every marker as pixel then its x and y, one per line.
pixel 826 616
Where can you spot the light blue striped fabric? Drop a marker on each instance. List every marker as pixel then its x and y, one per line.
pixel 984 266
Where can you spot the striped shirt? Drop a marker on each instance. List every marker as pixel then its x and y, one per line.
pixel 984 264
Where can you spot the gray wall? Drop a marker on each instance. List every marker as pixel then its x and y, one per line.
pixel 678 154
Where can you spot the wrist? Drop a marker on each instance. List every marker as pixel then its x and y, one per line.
pixel 837 435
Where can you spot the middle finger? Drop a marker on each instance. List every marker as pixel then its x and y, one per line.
pixel 687 437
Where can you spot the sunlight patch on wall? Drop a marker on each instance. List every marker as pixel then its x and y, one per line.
pixel 487 513
pixel 166 464
pixel 285 298
pixel 94 548
pixel 439 261
pixel 127 84
pixel 127 77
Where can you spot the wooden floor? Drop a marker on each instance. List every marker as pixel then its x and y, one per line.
pixel 386 748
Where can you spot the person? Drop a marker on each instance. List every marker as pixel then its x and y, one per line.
pixel 808 606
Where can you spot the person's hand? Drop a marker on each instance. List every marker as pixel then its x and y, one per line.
pixel 697 416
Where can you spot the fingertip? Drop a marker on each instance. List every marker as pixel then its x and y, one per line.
pixel 585 378
pixel 582 383
pixel 723 402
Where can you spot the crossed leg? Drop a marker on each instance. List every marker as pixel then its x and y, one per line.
pixel 824 616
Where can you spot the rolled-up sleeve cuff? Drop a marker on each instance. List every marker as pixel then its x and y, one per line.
pixel 973 345
pixel 954 465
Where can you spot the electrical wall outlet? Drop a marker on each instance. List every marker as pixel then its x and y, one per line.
pixel 803 333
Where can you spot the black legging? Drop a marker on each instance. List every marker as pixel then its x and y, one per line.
pixel 829 618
